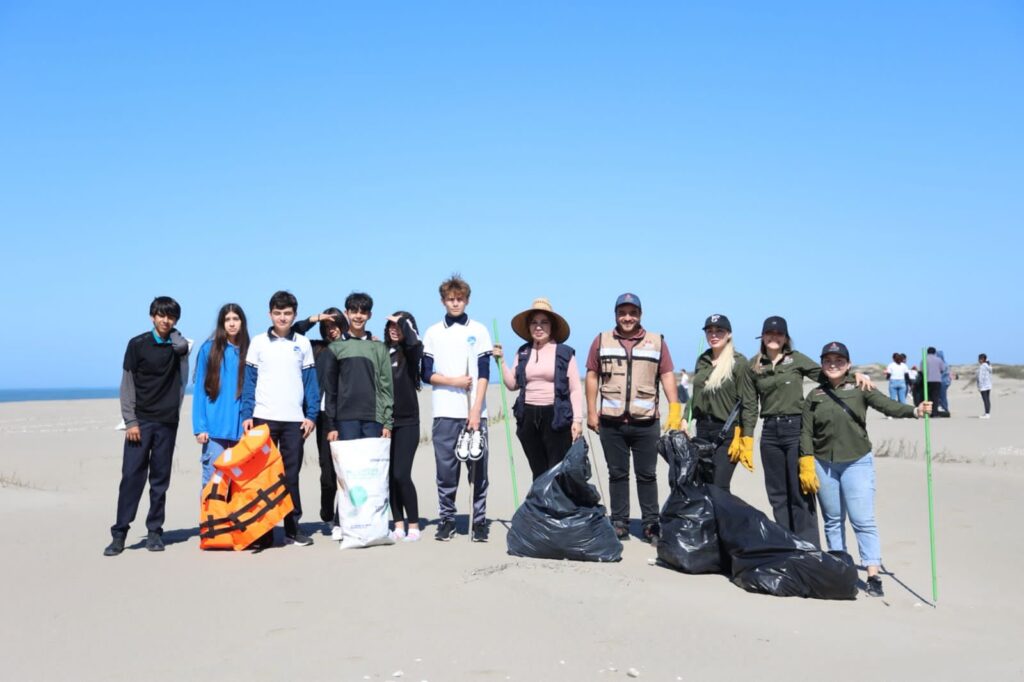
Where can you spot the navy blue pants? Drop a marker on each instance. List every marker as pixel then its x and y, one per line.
pixel 149 458
pixel 288 437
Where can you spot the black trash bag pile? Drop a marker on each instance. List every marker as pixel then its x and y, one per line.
pixel 762 556
pixel 689 538
pixel 562 517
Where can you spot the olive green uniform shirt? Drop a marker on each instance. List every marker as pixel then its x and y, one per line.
pixel 780 387
pixel 718 404
pixel 830 434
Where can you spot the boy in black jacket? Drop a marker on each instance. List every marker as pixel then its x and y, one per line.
pixel 152 388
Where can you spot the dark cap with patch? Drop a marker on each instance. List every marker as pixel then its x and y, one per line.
pixel 630 299
pixel 716 320
pixel 836 348
pixel 775 324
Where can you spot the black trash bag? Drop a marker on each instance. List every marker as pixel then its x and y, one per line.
pixel 762 556
pixel 562 517
pixel 689 538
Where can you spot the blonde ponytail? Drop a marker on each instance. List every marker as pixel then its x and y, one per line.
pixel 723 367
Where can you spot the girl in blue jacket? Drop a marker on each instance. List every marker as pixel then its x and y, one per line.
pixel 217 397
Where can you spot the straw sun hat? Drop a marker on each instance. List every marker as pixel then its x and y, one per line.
pixel 559 327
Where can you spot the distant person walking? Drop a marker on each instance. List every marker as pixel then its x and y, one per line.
pixel 896 373
pixel 549 407
pixel 947 379
pixel 935 366
pixel 985 383
pixel 912 380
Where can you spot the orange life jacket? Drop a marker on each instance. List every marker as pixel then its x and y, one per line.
pixel 248 456
pixel 214 524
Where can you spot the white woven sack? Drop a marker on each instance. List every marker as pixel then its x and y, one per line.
pixel 362 469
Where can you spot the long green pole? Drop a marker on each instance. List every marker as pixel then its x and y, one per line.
pixel 928 460
pixel 689 403
pixel 508 427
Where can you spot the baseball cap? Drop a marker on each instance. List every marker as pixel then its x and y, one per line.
pixel 775 324
pixel 717 320
pixel 631 299
pixel 837 348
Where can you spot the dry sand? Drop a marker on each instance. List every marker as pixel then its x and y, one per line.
pixel 462 611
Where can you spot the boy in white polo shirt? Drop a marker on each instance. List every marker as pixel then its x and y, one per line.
pixel 281 391
pixel 457 355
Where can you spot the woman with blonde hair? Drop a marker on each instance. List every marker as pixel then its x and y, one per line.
pixel 723 384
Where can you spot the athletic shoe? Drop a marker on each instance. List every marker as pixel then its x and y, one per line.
pixel 298 540
pixel 445 530
pixel 462 447
pixel 480 532
pixel 115 547
pixel 652 532
pixel 154 543
pixel 397 535
pixel 984 416
pixel 264 542
pixel 412 536
pixel 621 531
pixel 476 444
pixel 874 588
pixel 336 533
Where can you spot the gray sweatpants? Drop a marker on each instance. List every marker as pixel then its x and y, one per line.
pixel 445 432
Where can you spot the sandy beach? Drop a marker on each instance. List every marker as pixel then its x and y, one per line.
pixel 461 611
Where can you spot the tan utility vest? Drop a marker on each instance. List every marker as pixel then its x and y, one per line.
pixel 629 381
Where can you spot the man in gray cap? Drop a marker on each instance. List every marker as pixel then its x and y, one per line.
pixel 624 368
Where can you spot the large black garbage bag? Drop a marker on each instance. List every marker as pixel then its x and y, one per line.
pixel 762 556
pixel 689 538
pixel 562 517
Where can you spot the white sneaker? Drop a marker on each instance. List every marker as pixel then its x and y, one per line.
pixel 336 533
pixel 397 535
pixel 476 445
pixel 984 416
pixel 462 447
pixel 412 536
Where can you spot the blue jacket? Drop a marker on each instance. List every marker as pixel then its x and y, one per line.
pixel 221 418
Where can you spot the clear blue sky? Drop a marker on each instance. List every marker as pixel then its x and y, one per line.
pixel 857 168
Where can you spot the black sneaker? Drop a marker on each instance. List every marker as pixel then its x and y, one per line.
pixel 265 542
pixel 115 547
pixel 445 530
pixel 154 543
pixel 299 540
pixel 652 532
pixel 874 588
pixel 621 531
pixel 480 532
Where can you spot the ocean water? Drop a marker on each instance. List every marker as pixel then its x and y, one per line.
pixel 18 395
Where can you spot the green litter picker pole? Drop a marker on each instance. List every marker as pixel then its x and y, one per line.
pixel 928 460
pixel 508 427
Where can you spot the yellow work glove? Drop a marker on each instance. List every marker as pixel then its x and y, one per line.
pixel 747 452
pixel 675 417
pixel 808 475
pixel 735 447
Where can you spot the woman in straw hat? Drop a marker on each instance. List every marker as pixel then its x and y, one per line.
pixel 549 407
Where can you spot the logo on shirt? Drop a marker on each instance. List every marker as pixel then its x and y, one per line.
pixel 471 340
pixel 787 360
pixel 297 349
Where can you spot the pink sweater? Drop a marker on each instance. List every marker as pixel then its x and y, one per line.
pixel 540 380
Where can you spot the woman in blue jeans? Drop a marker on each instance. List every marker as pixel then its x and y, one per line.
pixel 836 458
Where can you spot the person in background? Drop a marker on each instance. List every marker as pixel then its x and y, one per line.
pixel 219 378
pixel 934 366
pixel 913 388
pixel 947 379
pixel 684 387
pixel 549 407
pixel 401 335
pixel 833 435
pixel 896 373
pixel 985 383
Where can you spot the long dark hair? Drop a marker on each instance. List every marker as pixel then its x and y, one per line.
pixel 220 342
pixel 412 369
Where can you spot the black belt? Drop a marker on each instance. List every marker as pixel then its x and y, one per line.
pixel 783 416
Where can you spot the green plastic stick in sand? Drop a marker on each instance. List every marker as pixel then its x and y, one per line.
pixel 508 428
pixel 928 460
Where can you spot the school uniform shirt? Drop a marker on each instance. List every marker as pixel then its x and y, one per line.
pixel 829 433
pixel 220 417
pixel 456 347
pixel 780 387
pixel 280 380
pixel 718 404
pixel 153 378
